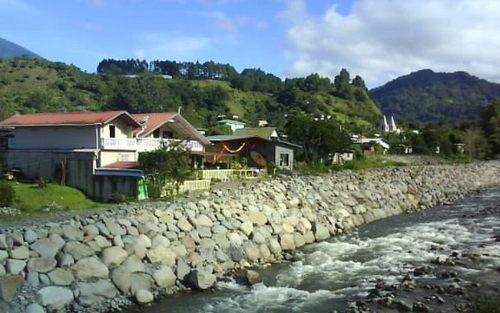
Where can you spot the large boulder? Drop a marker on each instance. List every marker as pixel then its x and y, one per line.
pixel 321 232
pixel 114 256
pixel 55 298
pixel 8 286
pixel 287 242
pixel 20 253
pixel 201 279
pixel 61 277
pixel 48 247
pixel 78 250
pixel 41 265
pixel 161 254
pixel 90 268
pixel 95 292
pixel 164 277
pixel 257 217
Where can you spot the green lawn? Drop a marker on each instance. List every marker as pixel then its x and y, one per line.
pixel 30 197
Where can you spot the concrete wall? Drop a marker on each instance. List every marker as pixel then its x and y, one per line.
pixel 108 157
pixel 54 137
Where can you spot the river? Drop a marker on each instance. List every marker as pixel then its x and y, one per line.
pixel 326 276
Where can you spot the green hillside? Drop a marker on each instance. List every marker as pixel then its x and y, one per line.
pixel 34 85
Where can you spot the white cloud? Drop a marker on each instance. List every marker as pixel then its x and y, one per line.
pixel 171 46
pixel 383 39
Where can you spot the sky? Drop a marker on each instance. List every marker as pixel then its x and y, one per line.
pixel 376 39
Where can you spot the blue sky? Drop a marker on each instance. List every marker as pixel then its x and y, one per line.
pixel 82 32
pixel 377 39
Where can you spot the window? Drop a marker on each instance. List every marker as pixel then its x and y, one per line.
pixel 156 133
pixel 167 134
pixel 112 131
pixel 284 159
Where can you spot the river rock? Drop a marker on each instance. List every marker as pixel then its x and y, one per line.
pixel 90 268
pixel 20 253
pixel 61 277
pixel 257 217
pixel 72 233
pixel 34 308
pixel 9 285
pixel 164 277
pixel 114 256
pixel 55 298
pixel 321 232
pixel 41 265
pixel 4 255
pixel 30 236
pixel 78 250
pixel 201 279
pixel 48 247
pixel 162 254
pixel 95 292
pixel 286 242
pixel 252 277
pixel 143 296
pixel 15 266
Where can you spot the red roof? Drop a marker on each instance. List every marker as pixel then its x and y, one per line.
pixel 66 118
pixel 152 121
pixel 122 165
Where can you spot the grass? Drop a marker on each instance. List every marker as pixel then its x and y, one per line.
pixel 31 198
pixel 360 164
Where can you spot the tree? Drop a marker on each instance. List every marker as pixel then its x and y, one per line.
pixel 475 142
pixel 490 122
pixel 320 139
pixel 341 83
pixel 168 166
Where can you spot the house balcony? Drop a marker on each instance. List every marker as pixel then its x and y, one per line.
pixel 147 144
pixel 129 144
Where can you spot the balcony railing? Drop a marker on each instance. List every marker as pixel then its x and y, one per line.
pixel 147 144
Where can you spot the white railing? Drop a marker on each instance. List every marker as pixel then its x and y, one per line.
pixel 119 143
pixel 147 144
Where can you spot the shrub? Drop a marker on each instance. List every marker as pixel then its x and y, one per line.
pixel 7 194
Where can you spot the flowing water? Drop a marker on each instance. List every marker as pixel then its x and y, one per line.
pixel 328 275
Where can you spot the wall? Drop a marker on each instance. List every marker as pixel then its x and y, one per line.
pixel 122 129
pixel 57 138
pixel 285 150
pixel 108 157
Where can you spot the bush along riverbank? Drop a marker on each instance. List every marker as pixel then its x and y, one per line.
pixel 136 253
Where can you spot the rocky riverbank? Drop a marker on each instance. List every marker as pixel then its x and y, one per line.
pixel 146 250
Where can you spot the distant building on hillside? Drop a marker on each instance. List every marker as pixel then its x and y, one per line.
pixel 390 127
pixel 233 124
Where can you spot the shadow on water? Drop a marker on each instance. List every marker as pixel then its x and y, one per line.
pixel 327 275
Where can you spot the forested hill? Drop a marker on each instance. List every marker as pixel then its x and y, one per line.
pixel 28 85
pixel 428 96
pixel 9 50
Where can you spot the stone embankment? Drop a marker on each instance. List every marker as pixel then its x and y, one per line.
pixel 139 252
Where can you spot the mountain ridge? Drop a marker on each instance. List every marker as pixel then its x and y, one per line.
pixel 426 95
pixel 10 50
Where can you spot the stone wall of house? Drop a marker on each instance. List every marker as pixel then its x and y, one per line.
pixel 138 252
